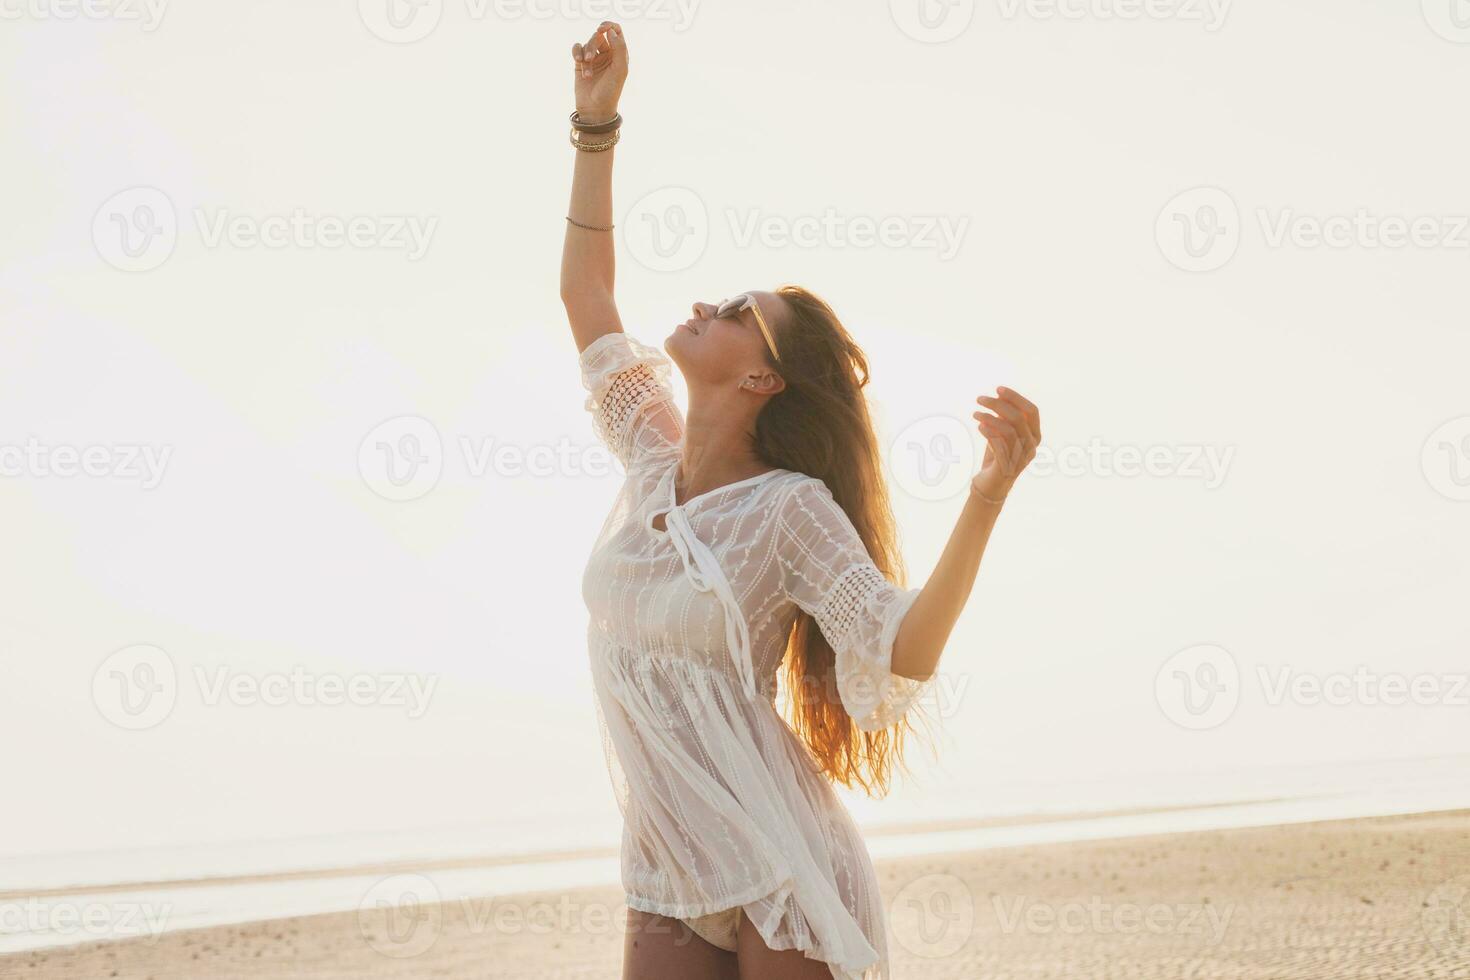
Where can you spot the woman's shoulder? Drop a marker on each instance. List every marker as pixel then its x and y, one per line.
pixel 794 493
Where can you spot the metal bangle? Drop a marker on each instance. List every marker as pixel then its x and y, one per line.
pixel 595 128
pixel 606 144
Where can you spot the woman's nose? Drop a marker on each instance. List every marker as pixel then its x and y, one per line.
pixel 703 310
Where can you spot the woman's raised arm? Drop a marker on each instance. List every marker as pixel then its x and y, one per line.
pixel 601 67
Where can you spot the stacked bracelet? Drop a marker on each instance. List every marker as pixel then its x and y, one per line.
pixel 596 128
pixel 597 147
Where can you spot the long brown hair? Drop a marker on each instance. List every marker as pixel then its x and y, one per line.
pixel 820 425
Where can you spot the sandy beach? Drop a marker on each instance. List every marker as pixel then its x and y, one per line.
pixel 1366 898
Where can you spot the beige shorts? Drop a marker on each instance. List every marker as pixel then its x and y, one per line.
pixel 717 928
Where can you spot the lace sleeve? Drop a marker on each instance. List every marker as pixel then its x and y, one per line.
pixel 827 572
pixel 630 397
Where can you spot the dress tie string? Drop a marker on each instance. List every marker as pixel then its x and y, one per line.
pixel 704 571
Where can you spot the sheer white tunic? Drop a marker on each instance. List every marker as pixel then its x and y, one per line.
pixel 723 806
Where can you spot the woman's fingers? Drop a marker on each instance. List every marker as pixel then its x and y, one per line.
pixel 1030 411
pixel 1004 409
pixel 1011 442
pixel 1001 437
pixel 599 51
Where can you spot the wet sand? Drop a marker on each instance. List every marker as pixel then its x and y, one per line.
pixel 1368 898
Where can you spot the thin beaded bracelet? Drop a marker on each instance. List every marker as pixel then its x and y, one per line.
pixel 993 503
pixel 589 227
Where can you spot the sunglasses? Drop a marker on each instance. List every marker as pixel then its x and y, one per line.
pixel 745 301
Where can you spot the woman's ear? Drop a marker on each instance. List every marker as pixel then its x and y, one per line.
pixel 764 383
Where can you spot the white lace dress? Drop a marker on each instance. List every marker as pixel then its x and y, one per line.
pixel 723 806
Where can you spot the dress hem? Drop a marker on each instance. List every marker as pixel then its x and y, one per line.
pixel 784 885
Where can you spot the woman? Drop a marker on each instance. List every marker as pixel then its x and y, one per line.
pixel 755 531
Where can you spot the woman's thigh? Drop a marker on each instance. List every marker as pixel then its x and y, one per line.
pixel 759 962
pixel 656 947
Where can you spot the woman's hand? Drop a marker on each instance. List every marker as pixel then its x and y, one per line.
pixel 601 67
pixel 1011 437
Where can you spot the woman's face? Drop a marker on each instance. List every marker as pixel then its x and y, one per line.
pixel 720 350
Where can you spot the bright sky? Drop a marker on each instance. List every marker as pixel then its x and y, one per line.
pixel 1125 217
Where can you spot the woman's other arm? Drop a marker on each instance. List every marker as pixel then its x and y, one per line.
pixel 1011 437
